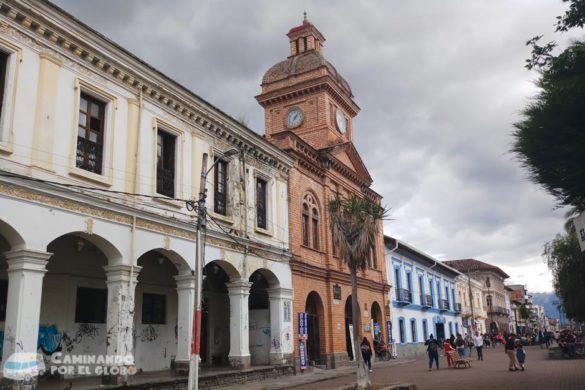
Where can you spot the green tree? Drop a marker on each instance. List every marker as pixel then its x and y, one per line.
pixel 354 225
pixel 550 140
pixel 523 312
pixel 567 263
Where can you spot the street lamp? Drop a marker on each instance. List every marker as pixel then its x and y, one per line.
pixel 193 382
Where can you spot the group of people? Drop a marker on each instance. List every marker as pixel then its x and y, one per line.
pixel 514 350
pixel 568 341
pixel 516 354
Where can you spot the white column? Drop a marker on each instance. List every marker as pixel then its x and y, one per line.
pixel 186 306
pixel 26 269
pixel 121 281
pixel 281 337
pixel 239 355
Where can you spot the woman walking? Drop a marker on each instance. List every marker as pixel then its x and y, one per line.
pixel 366 349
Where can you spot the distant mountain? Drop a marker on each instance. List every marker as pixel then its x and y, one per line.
pixel 546 300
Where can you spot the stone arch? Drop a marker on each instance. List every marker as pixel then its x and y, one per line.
pixel 156 312
pixel 315 327
pixel 74 300
pixel 13 239
pixel 215 316
pixel 110 251
pixel 268 275
pixel 311 217
pixel 227 267
pixel 259 315
pixel 181 265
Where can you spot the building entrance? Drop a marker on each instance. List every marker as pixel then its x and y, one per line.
pixel 440 331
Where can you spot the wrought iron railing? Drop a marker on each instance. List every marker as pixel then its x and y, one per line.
pixel 89 155
pixel 458 307
pixel 165 182
pixel 403 295
pixel 426 300
pixel 444 304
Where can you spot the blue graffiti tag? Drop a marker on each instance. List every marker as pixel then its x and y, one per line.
pixel 49 338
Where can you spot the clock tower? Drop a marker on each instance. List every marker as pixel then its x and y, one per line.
pixel 306 95
pixel 309 111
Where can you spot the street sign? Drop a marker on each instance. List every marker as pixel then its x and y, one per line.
pixel 302 356
pixel 579 223
pixel 389 331
pixel 303 331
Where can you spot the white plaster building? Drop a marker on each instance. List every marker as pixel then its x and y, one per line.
pixel 423 298
pixel 473 312
pixel 89 271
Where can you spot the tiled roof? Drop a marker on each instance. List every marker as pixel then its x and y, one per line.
pixel 306 62
pixel 467 265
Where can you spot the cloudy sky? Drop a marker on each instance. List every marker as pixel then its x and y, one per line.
pixel 439 84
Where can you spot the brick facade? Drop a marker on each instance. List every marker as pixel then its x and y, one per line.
pixel 326 163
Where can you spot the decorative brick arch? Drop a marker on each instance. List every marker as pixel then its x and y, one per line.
pixel 311 217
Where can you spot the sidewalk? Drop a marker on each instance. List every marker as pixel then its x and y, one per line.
pixel 315 377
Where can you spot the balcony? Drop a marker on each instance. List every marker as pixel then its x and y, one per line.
pixel 499 311
pixel 443 305
pixel 426 301
pixel 458 307
pixel 403 296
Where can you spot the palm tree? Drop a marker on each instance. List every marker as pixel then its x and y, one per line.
pixel 354 225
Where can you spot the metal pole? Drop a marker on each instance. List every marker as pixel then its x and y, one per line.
pixel 193 382
pixel 471 301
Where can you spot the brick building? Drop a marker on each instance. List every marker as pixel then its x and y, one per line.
pixel 309 110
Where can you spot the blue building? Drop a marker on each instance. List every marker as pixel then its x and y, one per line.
pixel 423 298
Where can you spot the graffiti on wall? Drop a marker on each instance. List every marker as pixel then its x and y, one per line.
pixel 148 334
pixel 52 340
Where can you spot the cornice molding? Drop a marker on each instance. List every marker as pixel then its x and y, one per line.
pixel 91 206
pixel 69 37
pixel 324 83
pixel 301 268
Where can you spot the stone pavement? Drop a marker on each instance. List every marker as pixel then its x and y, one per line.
pixel 314 378
pixel 491 373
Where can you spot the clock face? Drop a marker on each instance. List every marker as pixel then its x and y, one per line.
pixel 340 120
pixel 294 118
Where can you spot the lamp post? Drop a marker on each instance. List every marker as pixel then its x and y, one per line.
pixel 193 381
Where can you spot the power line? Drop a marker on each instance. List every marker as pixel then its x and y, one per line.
pixel 77 186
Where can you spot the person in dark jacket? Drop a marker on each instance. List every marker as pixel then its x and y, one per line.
pixel 366 349
pixel 509 349
pixel 433 351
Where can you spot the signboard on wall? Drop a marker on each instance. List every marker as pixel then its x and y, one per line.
pixel 303 331
pixel 389 331
pixel 302 355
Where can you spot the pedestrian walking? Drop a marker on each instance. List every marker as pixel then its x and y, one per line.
pixel 509 350
pixel 478 342
pixel 520 355
pixel 452 340
pixel 469 342
pixel 433 351
pixel 460 345
pixel 448 348
pixel 366 349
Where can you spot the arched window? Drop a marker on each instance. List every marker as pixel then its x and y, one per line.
pixel 315 229
pixel 305 225
pixel 310 222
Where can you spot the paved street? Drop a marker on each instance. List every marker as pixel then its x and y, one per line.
pixel 492 374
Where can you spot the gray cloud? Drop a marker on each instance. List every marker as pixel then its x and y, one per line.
pixel 439 83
